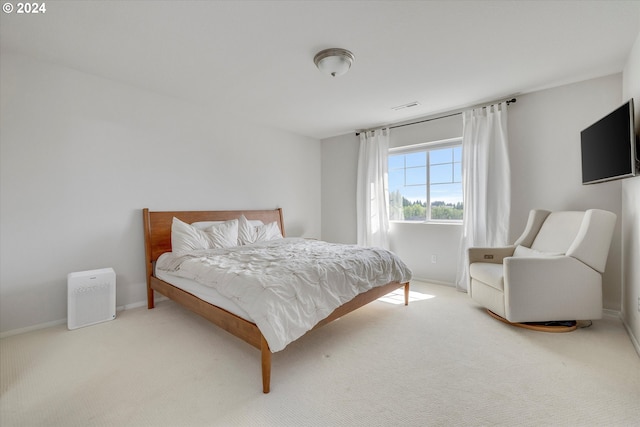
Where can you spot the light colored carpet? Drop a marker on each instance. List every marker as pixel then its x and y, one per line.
pixel 439 361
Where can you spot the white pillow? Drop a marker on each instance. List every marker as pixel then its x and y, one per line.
pixel 224 234
pixel 248 233
pixel 185 237
pixel 269 231
pixel 203 225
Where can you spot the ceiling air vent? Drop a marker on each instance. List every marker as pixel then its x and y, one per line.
pixel 409 105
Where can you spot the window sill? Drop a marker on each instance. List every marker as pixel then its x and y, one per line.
pixel 428 222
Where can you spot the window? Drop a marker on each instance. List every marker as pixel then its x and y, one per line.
pixel 425 182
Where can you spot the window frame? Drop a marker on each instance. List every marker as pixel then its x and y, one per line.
pixel 428 146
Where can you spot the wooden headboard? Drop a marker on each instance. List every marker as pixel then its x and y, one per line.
pixel 157 227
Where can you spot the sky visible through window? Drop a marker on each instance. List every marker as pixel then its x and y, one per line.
pixel 408 174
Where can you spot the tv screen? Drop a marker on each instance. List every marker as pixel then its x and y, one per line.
pixel 608 147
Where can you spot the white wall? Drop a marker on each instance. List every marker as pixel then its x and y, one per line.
pixel 544 139
pixel 81 156
pixel 339 176
pixel 631 211
pixel 544 133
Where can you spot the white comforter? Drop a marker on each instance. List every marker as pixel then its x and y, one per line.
pixel 288 285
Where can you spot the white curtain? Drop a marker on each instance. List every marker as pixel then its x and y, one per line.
pixel 372 195
pixel 486 179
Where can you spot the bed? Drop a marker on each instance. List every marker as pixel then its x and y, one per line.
pixel 225 313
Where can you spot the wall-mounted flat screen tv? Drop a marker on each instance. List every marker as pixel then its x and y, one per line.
pixel 609 147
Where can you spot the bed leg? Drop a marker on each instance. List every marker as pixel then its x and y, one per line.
pixel 266 366
pixel 150 300
pixel 406 293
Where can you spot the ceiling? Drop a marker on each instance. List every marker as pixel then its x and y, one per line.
pixel 255 58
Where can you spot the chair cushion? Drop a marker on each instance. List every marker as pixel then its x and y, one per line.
pixel 523 251
pixel 558 232
pixel 490 273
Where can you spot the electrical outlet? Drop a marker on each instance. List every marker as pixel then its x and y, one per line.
pixel 434 259
pixel 638 304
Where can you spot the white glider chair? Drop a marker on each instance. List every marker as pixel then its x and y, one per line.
pixel 553 272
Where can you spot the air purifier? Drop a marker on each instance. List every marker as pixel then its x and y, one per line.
pixel 91 297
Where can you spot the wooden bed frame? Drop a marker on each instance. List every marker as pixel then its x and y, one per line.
pixel 157 239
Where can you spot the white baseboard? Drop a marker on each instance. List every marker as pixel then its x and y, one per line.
pixel 64 321
pixel 139 304
pixel 435 282
pixel 634 340
pixel 611 313
pixel 33 328
pixel 618 315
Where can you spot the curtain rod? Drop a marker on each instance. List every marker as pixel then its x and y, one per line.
pixel 510 101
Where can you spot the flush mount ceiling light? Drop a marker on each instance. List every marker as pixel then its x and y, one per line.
pixel 334 61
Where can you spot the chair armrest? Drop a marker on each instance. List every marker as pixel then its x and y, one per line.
pixel 541 288
pixel 592 243
pixel 492 255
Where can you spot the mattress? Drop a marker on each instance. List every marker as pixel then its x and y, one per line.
pixel 205 293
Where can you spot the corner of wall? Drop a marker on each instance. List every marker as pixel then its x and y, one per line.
pixel 631 213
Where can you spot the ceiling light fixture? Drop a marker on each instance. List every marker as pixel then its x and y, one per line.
pixel 334 61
